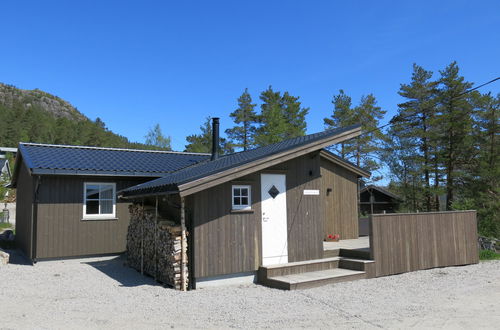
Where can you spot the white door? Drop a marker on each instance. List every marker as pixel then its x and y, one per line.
pixel 274 224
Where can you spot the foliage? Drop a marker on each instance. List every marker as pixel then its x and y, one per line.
pixel 444 142
pixel 365 149
pixel 24 117
pixel 282 117
pixel 488 255
pixel 242 135
pixel 203 142
pixel 156 138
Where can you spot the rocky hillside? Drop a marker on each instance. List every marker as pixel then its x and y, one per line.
pixel 57 107
pixel 37 116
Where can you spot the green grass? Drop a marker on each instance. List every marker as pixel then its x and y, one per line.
pixel 5 225
pixel 488 255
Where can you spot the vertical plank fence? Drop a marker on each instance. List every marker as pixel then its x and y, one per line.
pixel 408 242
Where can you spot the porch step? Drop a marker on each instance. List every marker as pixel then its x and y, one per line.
pixel 355 253
pixel 331 253
pixel 313 279
pixel 298 267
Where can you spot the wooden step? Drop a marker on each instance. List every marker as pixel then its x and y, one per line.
pixel 298 267
pixel 367 266
pixel 355 253
pixel 313 279
pixel 331 253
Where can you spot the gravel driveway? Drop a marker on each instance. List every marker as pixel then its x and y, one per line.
pixel 102 293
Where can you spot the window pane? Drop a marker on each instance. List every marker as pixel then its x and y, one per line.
pixel 244 192
pixel 92 191
pixel 236 201
pixel 106 192
pixel 106 207
pixel 237 192
pixel 244 200
pixel 92 207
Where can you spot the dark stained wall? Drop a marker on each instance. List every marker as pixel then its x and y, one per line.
pixel 227 242
pixel 60 230
pixel 24 203
pixel 341 203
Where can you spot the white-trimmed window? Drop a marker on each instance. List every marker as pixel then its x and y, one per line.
pixel 99 200
pixel 242 197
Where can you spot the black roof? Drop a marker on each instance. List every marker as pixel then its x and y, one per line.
pixel 172 181
pixel 382 190
pixel 79 160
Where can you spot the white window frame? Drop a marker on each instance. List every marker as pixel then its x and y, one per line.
pixel 241 207
pixel 98 216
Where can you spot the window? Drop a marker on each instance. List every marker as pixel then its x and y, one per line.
pixel 241 198
pixel 99 200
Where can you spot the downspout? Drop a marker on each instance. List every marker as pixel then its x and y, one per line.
pixel 183 245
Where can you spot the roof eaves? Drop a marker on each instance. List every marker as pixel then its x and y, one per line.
pixel 344 163
pixel 186 187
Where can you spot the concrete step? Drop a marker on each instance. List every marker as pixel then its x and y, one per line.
pixel 313 279
pixel 297 267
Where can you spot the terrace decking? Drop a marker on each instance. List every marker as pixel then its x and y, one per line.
pixel 345 260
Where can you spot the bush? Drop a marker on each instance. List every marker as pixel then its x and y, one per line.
pixel 488 255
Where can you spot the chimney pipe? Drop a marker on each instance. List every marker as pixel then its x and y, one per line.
pixel 215 138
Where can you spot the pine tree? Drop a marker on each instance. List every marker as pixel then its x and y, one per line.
pixel 242 135
pixel 156 138
pixel 203 142
pixel 364 149
pixel 455 124
pixel 282 117
pixel 415 123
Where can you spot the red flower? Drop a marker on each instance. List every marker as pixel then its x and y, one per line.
pixel 330 236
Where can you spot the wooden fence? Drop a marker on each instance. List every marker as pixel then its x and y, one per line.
pixel 413 241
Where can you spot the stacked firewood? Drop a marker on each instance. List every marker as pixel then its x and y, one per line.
pixel 155 247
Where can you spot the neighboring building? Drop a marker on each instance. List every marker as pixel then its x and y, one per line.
pixel 4 163
pixel 273 204
pixel 5 169
pixel 374 200
pixel 66 196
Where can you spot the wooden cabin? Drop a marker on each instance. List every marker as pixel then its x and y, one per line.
pixel 270 205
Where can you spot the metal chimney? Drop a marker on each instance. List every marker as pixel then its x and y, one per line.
pixel 215 138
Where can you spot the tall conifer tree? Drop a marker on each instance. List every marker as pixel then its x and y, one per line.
pixel 242 135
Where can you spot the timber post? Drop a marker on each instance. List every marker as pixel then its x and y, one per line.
pixel 183 245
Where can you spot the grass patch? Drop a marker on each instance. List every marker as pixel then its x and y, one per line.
pixel 4 225
pixel 488 255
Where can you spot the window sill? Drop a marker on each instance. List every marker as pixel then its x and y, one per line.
pixel 110 218
pixel 242 211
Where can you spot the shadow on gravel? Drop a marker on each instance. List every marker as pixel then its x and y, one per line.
pixel 16 257
pixel 117 270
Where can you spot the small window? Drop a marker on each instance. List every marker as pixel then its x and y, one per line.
pixel 241 198
pixel 99 200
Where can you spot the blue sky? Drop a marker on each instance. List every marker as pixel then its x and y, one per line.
pixel 137 63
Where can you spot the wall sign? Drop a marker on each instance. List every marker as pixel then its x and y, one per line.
pixel 314 192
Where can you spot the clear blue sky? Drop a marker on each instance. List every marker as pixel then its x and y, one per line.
pixel 136 63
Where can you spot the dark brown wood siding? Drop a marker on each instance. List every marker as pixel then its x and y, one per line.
pixel 228 242
pixel 341 203
pixel 24 204
pixel 408 242
pixel 60 230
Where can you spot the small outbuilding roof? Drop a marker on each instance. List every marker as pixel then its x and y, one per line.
pixel 381 190
pixel 42 159
pixel 241 163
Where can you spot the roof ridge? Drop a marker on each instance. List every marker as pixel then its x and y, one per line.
pixel 113 149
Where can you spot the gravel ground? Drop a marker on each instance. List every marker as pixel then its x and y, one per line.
pixel 103 293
